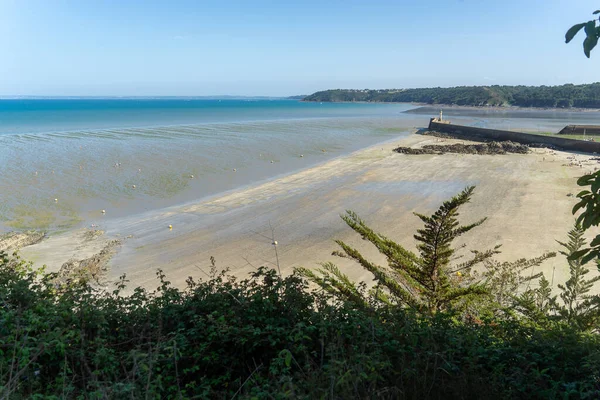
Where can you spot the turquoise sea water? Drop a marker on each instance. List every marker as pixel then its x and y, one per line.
pixel 59 115
pixel 62 161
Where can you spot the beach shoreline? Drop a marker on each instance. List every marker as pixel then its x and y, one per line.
pixel 518 194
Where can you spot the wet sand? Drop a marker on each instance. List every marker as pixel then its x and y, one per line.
pixel 127 171
pixel 523 196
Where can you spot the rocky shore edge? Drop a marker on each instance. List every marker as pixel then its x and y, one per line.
pixel 489 148
pixel 13 241
pixel 91 269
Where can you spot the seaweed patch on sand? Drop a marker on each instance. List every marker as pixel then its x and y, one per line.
pixel 489 148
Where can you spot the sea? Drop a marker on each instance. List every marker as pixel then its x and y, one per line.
pixel 68 163
pixel 65 161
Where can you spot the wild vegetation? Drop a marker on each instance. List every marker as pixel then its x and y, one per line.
pixel 564 96
pixel 428 328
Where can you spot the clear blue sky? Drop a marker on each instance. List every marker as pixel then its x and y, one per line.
pixel 284 47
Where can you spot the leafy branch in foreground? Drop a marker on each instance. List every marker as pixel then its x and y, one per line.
pixel 576 308
pixel 505 279
pixel 579 307
pixel 589 203
pixel 592 33
pixel 427 281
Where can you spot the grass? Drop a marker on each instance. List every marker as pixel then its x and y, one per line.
pixel 576 137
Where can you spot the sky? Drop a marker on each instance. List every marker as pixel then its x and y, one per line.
pixel 286 47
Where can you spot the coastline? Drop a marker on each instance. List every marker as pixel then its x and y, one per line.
pixel 301 212
pixel 132 169
pixel 463 108
pixel 502 108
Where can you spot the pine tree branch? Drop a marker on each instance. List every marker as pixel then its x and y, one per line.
pixel 404 294
pixel 332 284
pixel 478 258
pixel 392 250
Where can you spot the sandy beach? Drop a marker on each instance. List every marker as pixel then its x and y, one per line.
pixel 523 196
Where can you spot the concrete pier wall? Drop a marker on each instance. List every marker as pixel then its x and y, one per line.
pixel 525 138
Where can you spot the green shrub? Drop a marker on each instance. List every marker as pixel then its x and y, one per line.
pixel 267 337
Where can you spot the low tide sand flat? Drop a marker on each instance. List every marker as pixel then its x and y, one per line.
pixel 180 182
pixel 516 192
pixel 132 156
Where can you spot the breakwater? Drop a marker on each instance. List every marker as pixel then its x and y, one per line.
pixel 580 130
pixel 519 137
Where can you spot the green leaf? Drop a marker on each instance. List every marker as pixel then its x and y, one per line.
pixel 596 241
pixel 578 254
pixel 572 32
pixel 588 45
pixel 589 257
pixel 580 218
pixel 585 180
pixel 578 206
pixel 288 358
pixel 590 28
pixel 595 186
pixel 591 40
pixel 583 193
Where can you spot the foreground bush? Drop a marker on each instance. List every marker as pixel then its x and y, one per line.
pixel 266 337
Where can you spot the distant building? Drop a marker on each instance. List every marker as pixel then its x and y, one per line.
pixel 440 119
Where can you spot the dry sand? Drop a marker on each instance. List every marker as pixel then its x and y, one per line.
pixel 523 196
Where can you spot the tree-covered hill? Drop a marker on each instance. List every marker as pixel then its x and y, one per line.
pixel 564 96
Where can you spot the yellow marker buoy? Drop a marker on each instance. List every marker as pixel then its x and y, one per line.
pixel 192 176
pixel 133 186
pixel 272 161
pixel 301 155
pixel 103 211
pixel 170 226
pixel 234 170
pixel 56 200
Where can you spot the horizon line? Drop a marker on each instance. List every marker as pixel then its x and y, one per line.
pixel 14 97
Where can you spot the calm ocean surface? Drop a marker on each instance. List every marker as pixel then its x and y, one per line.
pixel 58 115
pixel 63 161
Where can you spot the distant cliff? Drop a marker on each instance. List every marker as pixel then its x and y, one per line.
pixel 564 96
